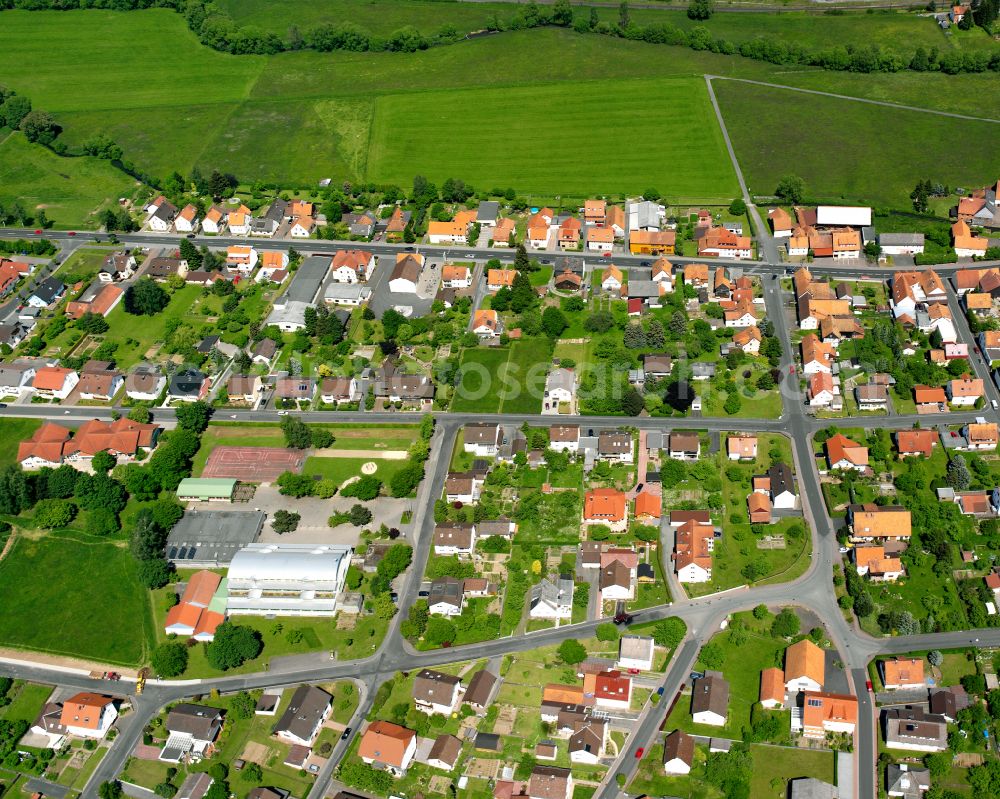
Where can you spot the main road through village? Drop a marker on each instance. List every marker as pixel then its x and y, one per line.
pixel 813 591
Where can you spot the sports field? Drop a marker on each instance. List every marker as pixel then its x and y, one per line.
pixel 252 464
pixel 849 151
pixel 591 138
pixel 91 605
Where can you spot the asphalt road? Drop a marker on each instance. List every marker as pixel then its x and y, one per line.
pixel 812 590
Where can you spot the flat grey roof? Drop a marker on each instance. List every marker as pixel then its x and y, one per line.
pixel 308 278
pixel 212 537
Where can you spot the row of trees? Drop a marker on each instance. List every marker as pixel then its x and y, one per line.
pixel 216 29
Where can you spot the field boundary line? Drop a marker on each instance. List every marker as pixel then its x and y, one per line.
pixel 884 103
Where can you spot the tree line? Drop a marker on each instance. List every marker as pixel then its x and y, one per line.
pixel 216 29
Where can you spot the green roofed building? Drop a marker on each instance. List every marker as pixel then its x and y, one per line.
pixel 206 489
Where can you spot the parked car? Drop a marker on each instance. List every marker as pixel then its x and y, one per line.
pixel 347 732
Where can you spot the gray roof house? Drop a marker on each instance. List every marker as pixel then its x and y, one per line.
pixel 552 599
pixel 812 788
pixel 906 781
pixel 480 690
pixel 487 213
pixel 301 721
pixel 911 727
pixel 186 385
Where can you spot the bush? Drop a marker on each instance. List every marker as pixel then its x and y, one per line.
pixel 53 513
pixel 366 488
pixel 285 521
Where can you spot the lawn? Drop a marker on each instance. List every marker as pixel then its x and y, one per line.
pixel 71 190
pixel 919 143
pixel 27 699
pixel 686 155
pixel 511 380
pixel 773 766
pixel 12 433
pixel 83 265
pixel 136 335
pixel 741 666
pixel 84 576
pixel 340 469
pixel 318 634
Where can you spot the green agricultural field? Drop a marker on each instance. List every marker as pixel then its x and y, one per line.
pixel 856 134
pixel 687 154
pixel 70 190
pixel 86 579
pixel 12 433
pixel 300 116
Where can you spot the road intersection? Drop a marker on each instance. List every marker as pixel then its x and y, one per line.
pixel 812 591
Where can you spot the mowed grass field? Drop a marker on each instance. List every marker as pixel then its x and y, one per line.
pixel 508 380
pixel 12 433
pixel 75 595
pixel 545 137
pixel 71 190
pixel 849 151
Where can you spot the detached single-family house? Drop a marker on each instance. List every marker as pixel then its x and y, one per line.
pixel 842 453
pixel 456 277
pixel 455 539
pixel 482 439
pixel 339 390
pixel 901 674
pixel 47 293
pixel 823 713
pixel 805 667
pixel 741 447
pixel 145 383
pixel 564 438
pixel 187 219
pixel 965 391
pixel 560 388
pixel 88 715
pixel 606 506
pixel 551 599
pixel 635 652
pixel 190 729
pixel 446 597
pixel 678 753
pixel 710 700
pixel 445 752
pixel 304 716
pixel 611 279
pixel 160 214
pixel 117 267
pixel 54 382
pixel 694 542
pixel 388 747
pixel 436 692
pixel 486 323
pixel 913 728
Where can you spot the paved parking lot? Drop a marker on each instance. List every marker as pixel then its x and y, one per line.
pixel 315 512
